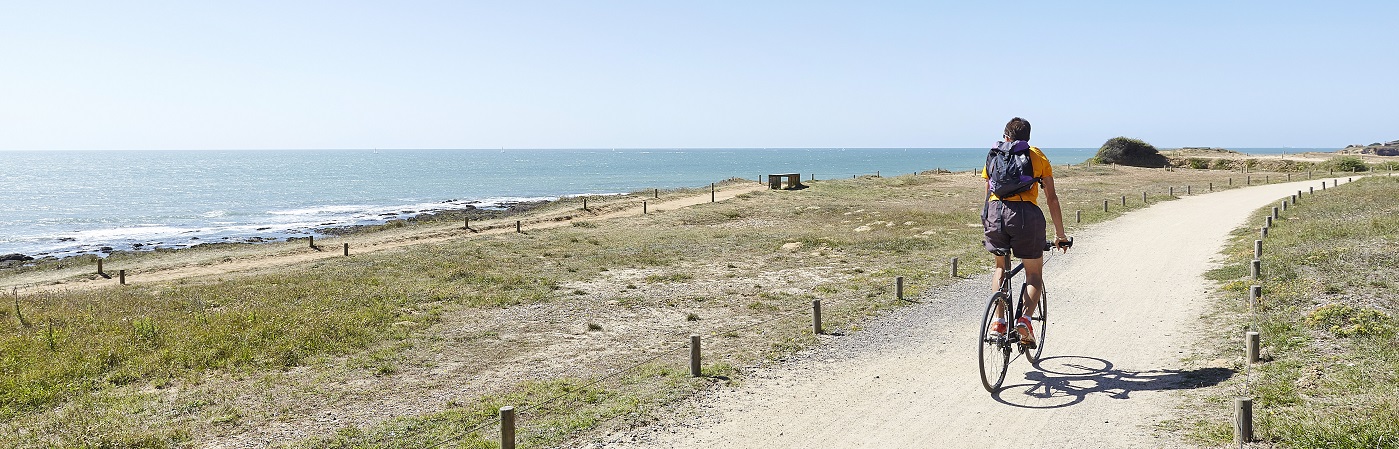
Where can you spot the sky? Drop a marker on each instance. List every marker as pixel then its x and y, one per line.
pixel 344 74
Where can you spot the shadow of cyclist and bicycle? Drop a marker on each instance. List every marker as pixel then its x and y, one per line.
pixel 1063 381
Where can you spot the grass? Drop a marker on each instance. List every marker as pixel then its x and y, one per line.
pixel 179 363
pixel 1327 321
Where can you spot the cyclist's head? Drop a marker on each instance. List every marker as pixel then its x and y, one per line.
pixel 1018 129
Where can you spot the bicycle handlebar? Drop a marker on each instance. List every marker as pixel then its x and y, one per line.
pixel 1048 245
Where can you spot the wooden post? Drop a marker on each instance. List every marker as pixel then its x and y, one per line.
pixel 518 229
pixel 466 222
pixel 1255 293
pixel 643 208
pixel 585 203
pixel 1078 216
pixel 954 267
pixel 1211 186
pixel 1243 420
pixel 658 193
pixel 507 427
pixel 816 316
pixel 1251 344
pixel 347 249
pixel 312 239
pixel 1263 232
pixel 121 276
pixel 1275 213
pixel 1248 180
pixel 1143 197
pixel 711 192
pixel 1105 205
pixel 1289 177
pixel 1284 205
pixel 1187 190
pixel 1257 249
pixel 99 266
pixel 1255 269
pixel 1173 191
pixel 1267 221
pixel 1124 200
pixel 694 355
pixel 899 287
pixel 1231 181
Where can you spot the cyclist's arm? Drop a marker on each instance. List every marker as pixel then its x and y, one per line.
pixel 1052 200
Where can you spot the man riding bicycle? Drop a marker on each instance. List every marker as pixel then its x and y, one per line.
pixel 1015 224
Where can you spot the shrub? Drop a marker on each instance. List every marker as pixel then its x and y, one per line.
pixel 1348 163
pixel 1133 152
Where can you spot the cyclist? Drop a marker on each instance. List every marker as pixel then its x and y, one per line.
pixel 1016 224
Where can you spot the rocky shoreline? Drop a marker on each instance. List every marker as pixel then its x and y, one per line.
pixel 465 212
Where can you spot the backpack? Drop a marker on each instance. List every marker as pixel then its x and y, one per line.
pixel 1009 170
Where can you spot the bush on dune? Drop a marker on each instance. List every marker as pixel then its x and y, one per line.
pixel 1132 152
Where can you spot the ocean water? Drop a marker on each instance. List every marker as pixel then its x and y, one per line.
pixel 64 203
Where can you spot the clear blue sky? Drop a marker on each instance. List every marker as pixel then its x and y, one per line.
pixel 605 74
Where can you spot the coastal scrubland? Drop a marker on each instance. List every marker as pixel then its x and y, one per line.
pixel 1328 375
pixel 582 325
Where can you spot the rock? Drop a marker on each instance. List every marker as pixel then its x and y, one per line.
pixel 15 257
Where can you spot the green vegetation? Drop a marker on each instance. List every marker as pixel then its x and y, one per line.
pixel 1347 164
pixel 1327 321
pixel 1131 152
pixel 180 363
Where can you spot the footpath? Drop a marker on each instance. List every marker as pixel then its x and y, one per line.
pixel 1124 304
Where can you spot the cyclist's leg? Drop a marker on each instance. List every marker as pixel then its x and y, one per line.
pixel 996 275
pixel 1034 278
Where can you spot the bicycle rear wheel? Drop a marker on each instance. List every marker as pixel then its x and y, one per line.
pixel 994 350
pixel 1039 320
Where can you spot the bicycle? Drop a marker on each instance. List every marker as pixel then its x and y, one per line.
pixel 995 350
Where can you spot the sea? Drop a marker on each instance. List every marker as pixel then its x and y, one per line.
pixel 66 203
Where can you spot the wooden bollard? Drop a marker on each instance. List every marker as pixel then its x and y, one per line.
pixel 99 266
pixel 694 355
pixel 466 222
pixel 1211 186
pixel 1231 181
pixel 518 228
pixel 507 427
pixel 954 267
pixel 1267 179
pixel 1257 249
pixel 1289 177
pixel 1311 190
pixel 1255 269
pixel 711 193
pixel 1243 420
pixel 1187 190
pixel 899 287
pixel 1124 200
pixel 347 249
pixel 643 208
pixel 1105 205
pixel 1263 232
pixel 585 203
pixel 1284 205
pixel 312 240
pixel 121 276
pixel 1078 216
pixel 816 316
pixel 1255 293
pixel 658 193
pixel 1248 180
pixel 1251 345
pixel 1143 197
pixel 1267 221
pixel 1275 212
pixel 1173 191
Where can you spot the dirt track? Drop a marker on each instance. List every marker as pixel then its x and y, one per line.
pixel 1122 308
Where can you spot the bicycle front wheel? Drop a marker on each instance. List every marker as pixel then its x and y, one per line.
pixel 1040 321
pixel 993 349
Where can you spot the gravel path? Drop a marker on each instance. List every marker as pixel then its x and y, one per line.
pixel 1122 305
